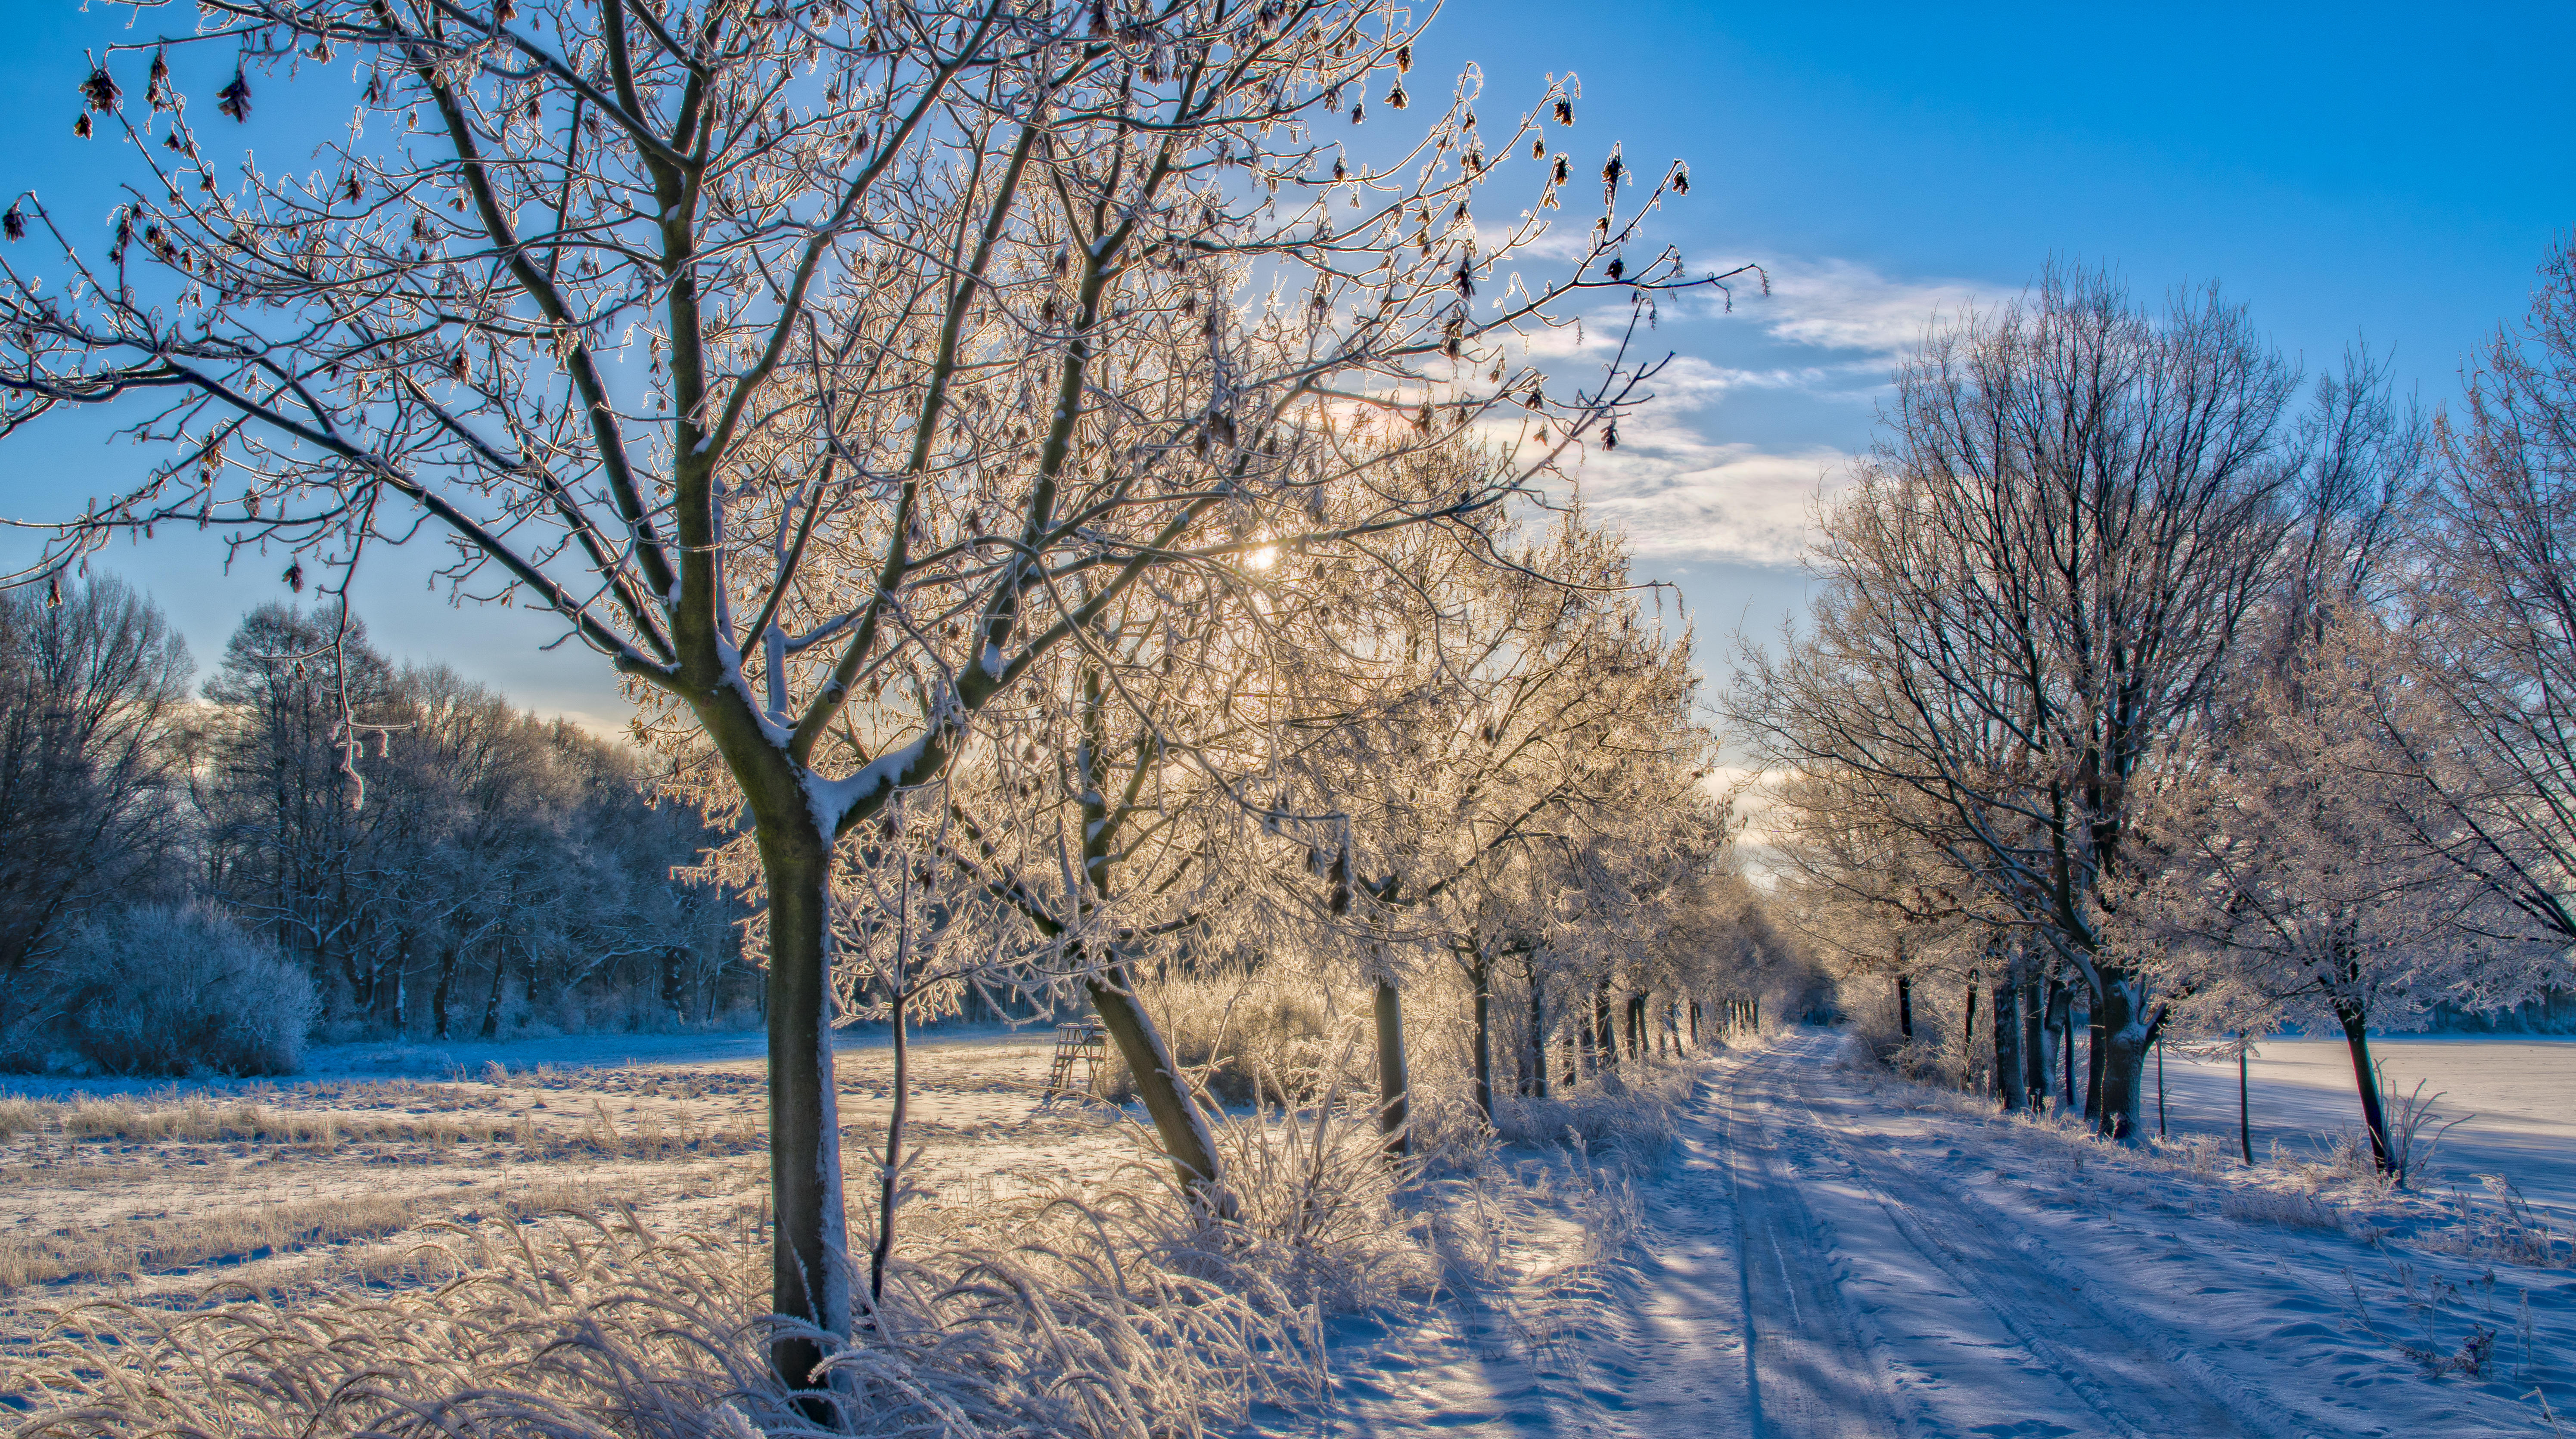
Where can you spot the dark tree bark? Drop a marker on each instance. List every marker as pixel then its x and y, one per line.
pixel 2093 1029
pixel 2034 1046
pixel 1535 1077
pixel 438 997
pixel 1178 1124
pixel 2008 1066
pixel 809 1260
pixel 1905 1007
pixel 1968 1035
pixel 1481 974
pixel 1392 1088
pixel 2355 1020
pixel 888 1190
pixel 2244 1105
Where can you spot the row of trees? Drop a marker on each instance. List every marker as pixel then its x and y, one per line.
pixel 2135 672
pixel 437 862
pixel 1018 456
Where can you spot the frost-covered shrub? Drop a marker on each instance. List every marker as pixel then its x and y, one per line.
pixel 1632 1113
pixel 173 990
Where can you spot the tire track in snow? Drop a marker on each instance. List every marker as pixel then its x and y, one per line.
pixel 2135 1378
pixel 1812 1371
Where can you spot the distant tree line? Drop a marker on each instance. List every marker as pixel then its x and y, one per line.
pixel 435 862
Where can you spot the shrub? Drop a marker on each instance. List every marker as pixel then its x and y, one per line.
pixel 173 991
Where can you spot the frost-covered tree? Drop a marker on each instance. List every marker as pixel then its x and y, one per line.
pixel 2037 584
pixel 2279 876
pixel 2286 888
pixel 2487 735
pixel 1518 768
pixel 825 368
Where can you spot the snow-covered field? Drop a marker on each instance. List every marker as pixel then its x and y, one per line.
pixel 151 1192
pixel 2515 1100
pixel 1823 1251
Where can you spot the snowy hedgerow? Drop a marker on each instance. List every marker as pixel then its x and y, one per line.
pixel 173 990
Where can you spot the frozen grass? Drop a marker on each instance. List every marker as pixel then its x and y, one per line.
pixel 199 1120
pixel 1108 1310
pixel 144 1246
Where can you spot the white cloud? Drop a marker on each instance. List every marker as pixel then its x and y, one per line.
pixel 1682 496
pixel 1841 305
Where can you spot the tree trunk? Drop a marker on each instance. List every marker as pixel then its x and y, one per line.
pixel 888 1190
pixel 2160 1087
pixel 492 1001
pixel 2122 1041
pixel 2008 1067
pixel 1605 1054
pixel 1968 1038
pixel 2093 1028
pixel 2034 1046
pixel 1482 974
pixel 2244 1104
pixel 2061 1042
pixel 1391 1087
pixel 1694 1026
pixel 2365 1077
pixel 675 988
pixel 1905 1007
pixel 1537 1079
pixel 809 1273
pixel 1183 1130
pixel 446 985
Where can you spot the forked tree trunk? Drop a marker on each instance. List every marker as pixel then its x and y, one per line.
pixel 2365 1077
pixel 1392 1090
pixel 2122 1037
pixel 1184 1131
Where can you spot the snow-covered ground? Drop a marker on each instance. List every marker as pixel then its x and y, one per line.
pixel 1831 1252
pixel 1823 1251
pixel 2515 1100
pixel 115 1189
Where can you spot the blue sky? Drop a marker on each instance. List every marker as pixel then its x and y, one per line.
pixel 2350 171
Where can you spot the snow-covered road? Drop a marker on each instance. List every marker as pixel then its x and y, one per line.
pixel 1827 1255
pixel 1886 1298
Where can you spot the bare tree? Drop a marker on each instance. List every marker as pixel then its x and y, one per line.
pixel 954 321
pixel 2487 733
pixel 93 747
pixel 2034 589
